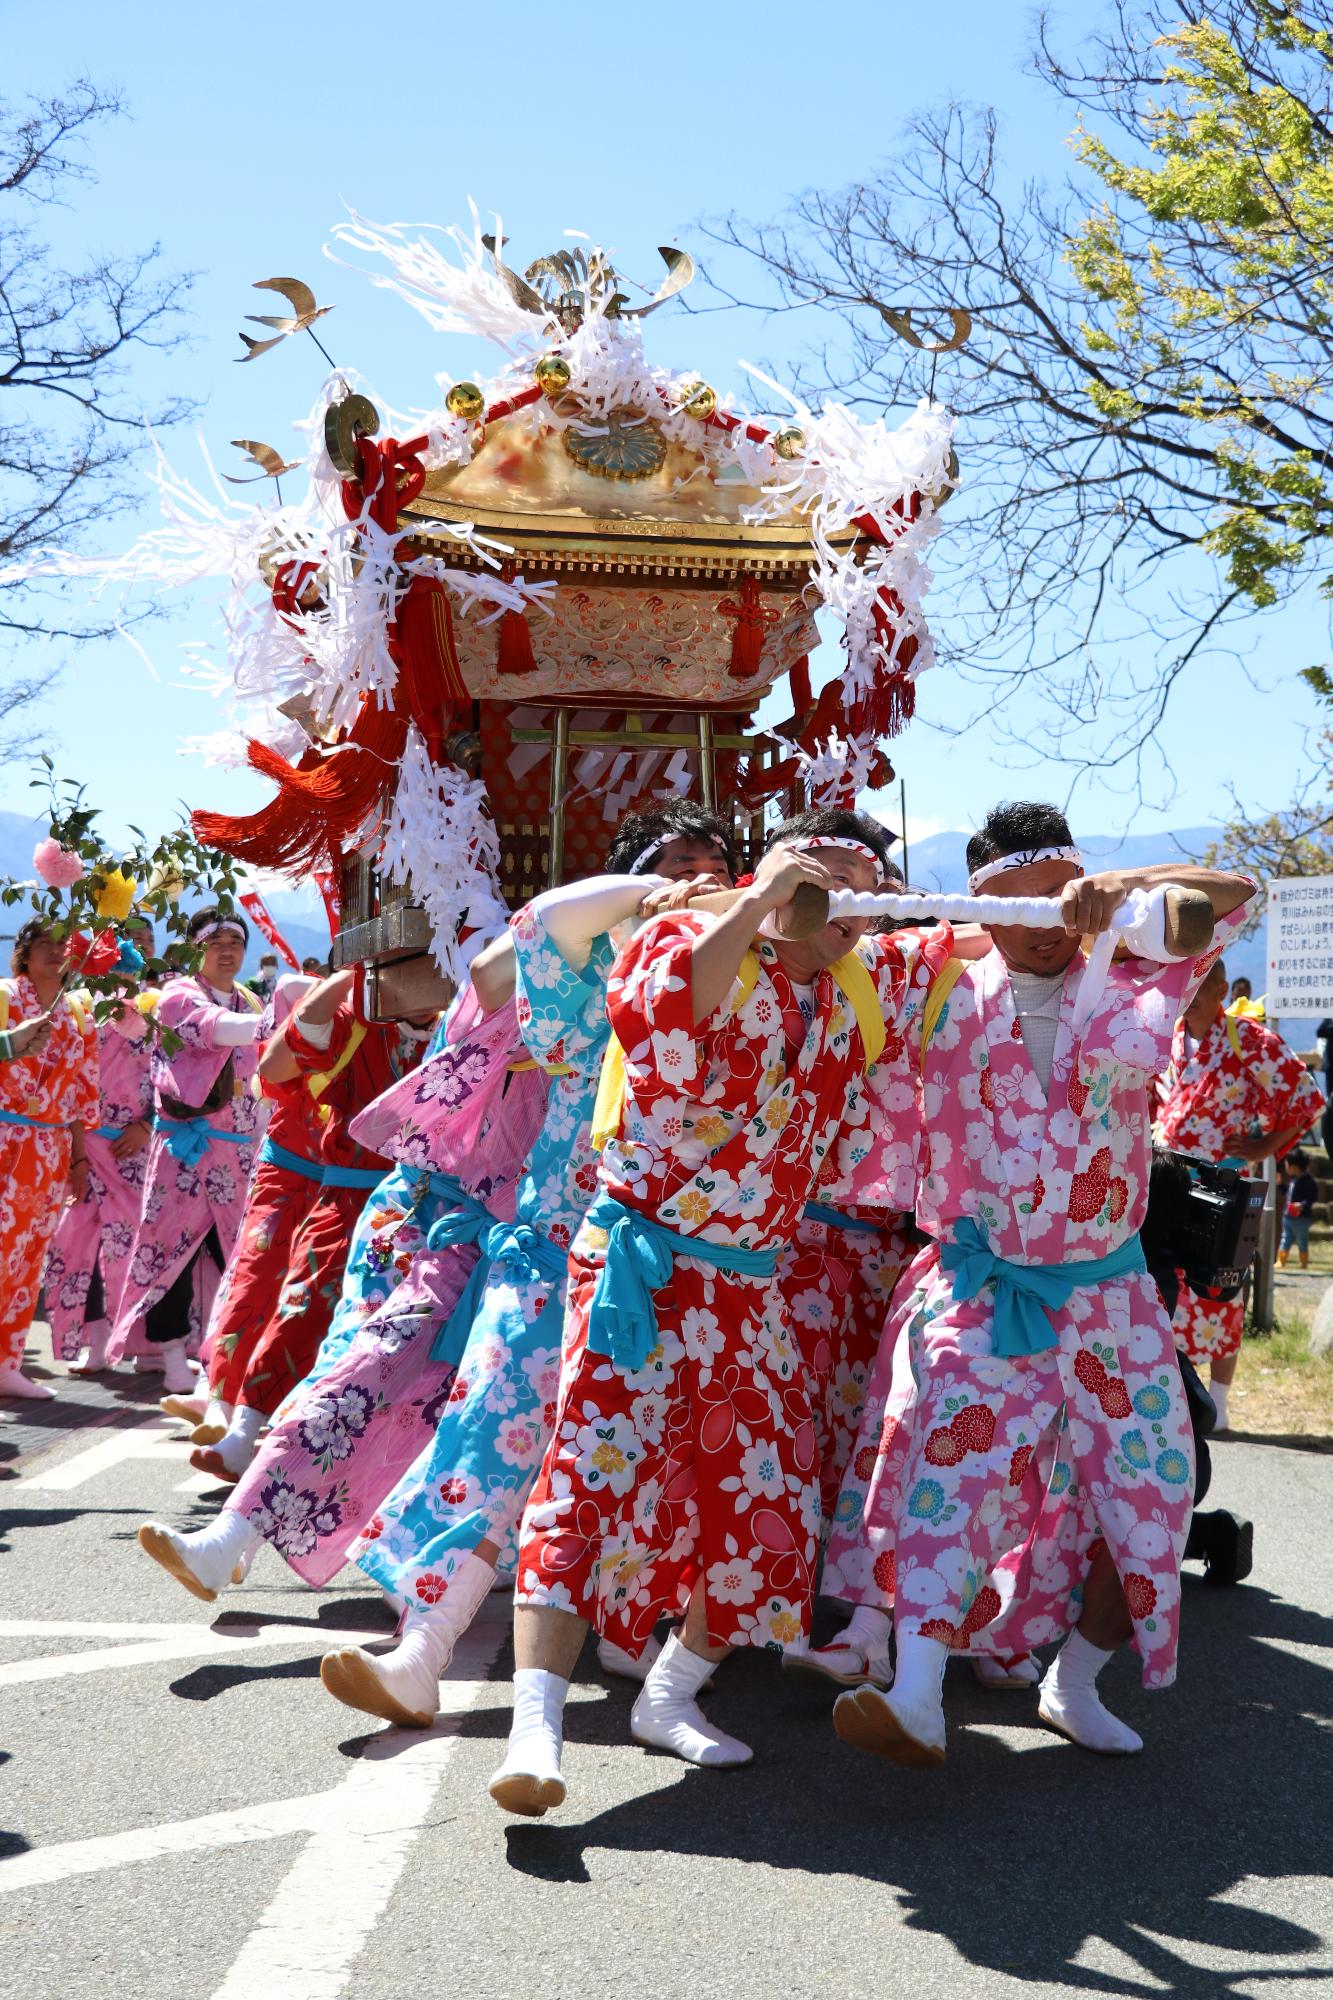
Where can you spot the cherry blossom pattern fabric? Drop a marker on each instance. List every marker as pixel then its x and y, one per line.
pixel 97 1233
pixel 59 1086
pixel 371 1403
pixel 1210 1102
pixel 703 1461
pixel 182 1199
pixel 838 1284
pixel 1005 1468
pixel 473 1480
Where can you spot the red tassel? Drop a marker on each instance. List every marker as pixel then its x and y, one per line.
pixel 431 681
pixel 515 655
pixel 752 623
pixel 322 801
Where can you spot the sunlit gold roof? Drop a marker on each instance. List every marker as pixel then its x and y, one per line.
pixel 613 495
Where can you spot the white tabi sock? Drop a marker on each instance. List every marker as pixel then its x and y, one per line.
pixel 917 1695
pixel 1020 1671
pixel 202 1562
pixel 237 1448
pixel 860 1651
pixel 1069 1701
pixel 615 1660
pixel 667 1717
pixel 13 1382
pixel 96 1340
pixel 868 1629
pixel 529 1780
pixel 404 1685
pixel 1218 1392
pixel 177 1375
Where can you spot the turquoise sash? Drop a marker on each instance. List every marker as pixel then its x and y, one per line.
pixel 622 1321
pixel 526 1254
pixel 106 1132
pixel 38 1124
pixel 836 1219
pixel 362 1177
pixel 188 1139
pixel 1026 1295
pixel 271 1154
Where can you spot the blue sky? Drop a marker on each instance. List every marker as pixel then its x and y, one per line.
pixel 251 127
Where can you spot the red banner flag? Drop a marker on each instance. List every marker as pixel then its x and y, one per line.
pixel 255 907
pixel 328 889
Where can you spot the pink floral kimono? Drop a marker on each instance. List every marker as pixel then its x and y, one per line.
pixel 97 1233
pixel 460 1126
pixel 197 1169
pixel 995 1471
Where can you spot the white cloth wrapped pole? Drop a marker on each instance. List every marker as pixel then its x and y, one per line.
pixel 1139 923
pixel 1140 920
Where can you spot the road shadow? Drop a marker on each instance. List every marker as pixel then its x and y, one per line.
pixel 1020 1857
pixel 221 1677
pixel 101 1402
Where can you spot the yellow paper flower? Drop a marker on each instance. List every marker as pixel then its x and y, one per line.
pixel 117 897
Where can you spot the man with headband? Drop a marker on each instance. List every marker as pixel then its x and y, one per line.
pixel 682 1473
pixel 202 1148
pixel 1041 1476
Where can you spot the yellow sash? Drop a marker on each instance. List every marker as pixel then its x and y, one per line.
pixel 850 975
pixel 937 1000
pixel 551 1069
pixel 321 1080
pixel 1233 1036
pixel 76 1003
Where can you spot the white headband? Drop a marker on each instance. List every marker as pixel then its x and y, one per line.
pixel 1025 858
pixel 813 842
pixel 642 863
pixel 216 930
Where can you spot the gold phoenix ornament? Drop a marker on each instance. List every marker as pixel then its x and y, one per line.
pixel 270 461
pixel 303 316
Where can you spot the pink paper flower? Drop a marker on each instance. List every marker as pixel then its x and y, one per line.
pixel 58 866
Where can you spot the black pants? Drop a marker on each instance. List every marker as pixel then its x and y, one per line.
pixel 94 1306
pixel 169 1319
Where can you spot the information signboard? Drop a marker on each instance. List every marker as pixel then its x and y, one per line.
pixel 1300 946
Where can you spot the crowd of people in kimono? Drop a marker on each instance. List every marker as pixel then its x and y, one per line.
pixel 683 1271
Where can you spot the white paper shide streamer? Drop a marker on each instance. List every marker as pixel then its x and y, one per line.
pixel 440 841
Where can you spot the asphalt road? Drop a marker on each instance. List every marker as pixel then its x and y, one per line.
pixel 186 1813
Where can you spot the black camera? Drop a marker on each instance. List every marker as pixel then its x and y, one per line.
pixel 1205 1221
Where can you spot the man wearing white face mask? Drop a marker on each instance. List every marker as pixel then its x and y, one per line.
pixel 1045 1398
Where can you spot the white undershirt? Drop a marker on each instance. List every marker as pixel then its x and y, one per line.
pixel 1037 998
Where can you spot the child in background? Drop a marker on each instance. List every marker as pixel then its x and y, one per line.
pixel 1302 1194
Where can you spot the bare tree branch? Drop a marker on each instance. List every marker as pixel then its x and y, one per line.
pixel 70 422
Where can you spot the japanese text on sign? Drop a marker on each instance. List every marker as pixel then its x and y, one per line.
pixel 1300 946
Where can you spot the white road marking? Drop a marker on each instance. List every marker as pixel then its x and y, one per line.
pixel 337 1889
pixel 173 1642
pixel 139 1441
pixel 332 1896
